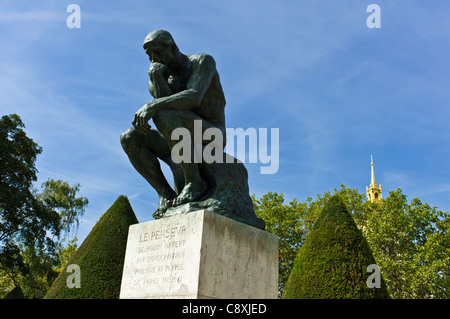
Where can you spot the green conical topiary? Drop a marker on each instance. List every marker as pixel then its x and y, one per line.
pixel 333 261
pixel 16 293
pixel 100 257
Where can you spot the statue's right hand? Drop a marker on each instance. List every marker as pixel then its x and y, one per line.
pixel 142 116
pixel 159 69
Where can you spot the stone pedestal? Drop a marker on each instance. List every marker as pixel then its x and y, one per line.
pixel 199 255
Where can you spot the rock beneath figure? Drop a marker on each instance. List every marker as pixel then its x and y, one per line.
pixel 228 193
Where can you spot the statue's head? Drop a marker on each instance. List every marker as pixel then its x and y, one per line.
pixel 159 37
pixel 160 47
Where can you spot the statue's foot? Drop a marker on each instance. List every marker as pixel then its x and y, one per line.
pixel 164 204
pixel 190 193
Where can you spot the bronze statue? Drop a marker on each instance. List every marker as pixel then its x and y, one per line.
pixel 186 89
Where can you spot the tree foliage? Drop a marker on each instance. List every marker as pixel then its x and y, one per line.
pixel 59 196
pixel 31 221
pixel 291 222
pixel 17 173
pixel 333 261
pixel 282 220
pixel 409 240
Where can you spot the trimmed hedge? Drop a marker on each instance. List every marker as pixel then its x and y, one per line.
pixel 100 257
pixel 16 293
pixel 333 261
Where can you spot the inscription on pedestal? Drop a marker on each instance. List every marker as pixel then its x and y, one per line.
pixel 199 255
pixel 158 262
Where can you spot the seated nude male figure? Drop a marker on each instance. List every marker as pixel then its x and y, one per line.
pixel 185 88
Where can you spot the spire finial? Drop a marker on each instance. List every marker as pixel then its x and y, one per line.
pixel 372 183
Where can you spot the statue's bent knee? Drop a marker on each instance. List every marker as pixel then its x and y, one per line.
pixel 128 140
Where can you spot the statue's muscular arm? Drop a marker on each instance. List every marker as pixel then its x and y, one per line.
pixel 203 70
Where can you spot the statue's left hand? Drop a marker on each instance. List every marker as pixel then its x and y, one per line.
pixel 143 115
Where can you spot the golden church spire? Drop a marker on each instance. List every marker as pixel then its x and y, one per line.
pixel 374 192
pixel 372 180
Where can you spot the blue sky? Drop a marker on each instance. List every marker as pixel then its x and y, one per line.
pixel 337 90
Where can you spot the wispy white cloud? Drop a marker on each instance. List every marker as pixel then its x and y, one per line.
pixel 55 174
pixel 31 16
pixel 428 187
